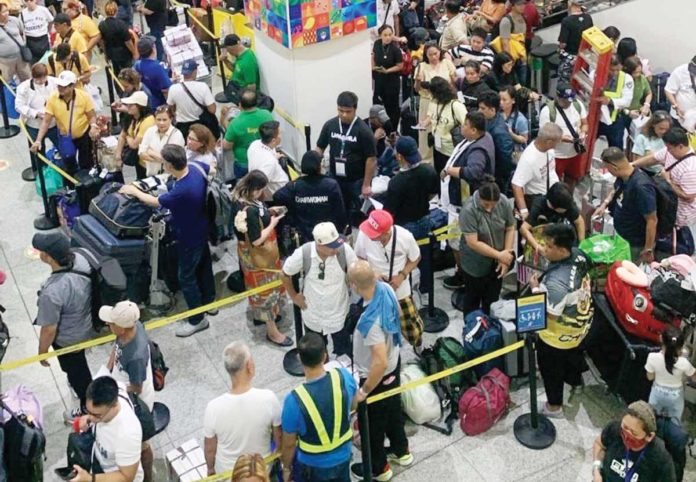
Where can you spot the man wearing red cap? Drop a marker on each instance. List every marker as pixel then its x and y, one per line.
pixel 393 253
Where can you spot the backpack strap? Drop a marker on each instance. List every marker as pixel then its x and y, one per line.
pixel 690 154
pixel 393 252
pixel 200 169
pixel 342 258
pixel 306 258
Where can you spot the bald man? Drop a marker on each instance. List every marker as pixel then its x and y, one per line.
pixel 376 344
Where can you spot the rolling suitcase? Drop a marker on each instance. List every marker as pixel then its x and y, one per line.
pixel 516 363
pixel 89 233
pixel 88 188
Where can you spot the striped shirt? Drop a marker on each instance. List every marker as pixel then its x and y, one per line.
pixel 682 175
pixel 463 53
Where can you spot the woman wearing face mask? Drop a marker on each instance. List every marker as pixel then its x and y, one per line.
pixel 649 140
pixel 630 450
pixel 387 63
pixel 434 65
pixel 158 136
pixel 32 95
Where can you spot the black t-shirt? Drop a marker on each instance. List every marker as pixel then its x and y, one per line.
pixel 572 28
pixel 357 144
pixel 655 466
pixel 637 198
pixel 541 213
pixel 387 56
pixel 158 18
pixel 409 193
pixel 115 32
pixel 381 143
pixel 258 217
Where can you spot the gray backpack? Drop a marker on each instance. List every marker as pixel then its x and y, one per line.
pixel 307 258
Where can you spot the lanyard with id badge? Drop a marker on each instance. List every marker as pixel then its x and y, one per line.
pixel 341 161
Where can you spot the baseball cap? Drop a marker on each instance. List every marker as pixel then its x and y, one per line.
pixel 123 314
pixel 56 245
pixel 407 147
pixel 231 40
pixel 565 91
pixel 378 223
pixel 138 97
pixel 189 67
pixel 145 46
pixel 66 78
pixel 378 112
pixel 326 234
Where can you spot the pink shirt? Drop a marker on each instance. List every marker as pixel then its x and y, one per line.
pixel 684 176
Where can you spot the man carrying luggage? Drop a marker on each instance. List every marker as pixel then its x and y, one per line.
pixel 569 314
pixel 65 311
pixel 316 419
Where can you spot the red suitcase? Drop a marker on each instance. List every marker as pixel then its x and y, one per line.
pixel 634 308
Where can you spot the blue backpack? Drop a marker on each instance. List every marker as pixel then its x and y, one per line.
pixel 482 335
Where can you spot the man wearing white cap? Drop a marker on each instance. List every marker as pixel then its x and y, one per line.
pixel 129 362
pixel 73 111
pixel 324 297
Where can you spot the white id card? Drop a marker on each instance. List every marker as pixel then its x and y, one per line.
pixel 340 167
pixel 438 142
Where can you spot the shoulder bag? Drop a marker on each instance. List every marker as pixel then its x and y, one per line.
pixel 266 255
pixel 66 146
pixel 24 51
pixel 456 131
pixel 207 119
pixel 577 143
pixel 129 156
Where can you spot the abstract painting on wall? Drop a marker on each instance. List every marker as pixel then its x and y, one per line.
pixel 296 23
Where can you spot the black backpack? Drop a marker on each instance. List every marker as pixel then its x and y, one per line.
pixel 4 335
pixel 123 216
pixel 158 366
pixel 147 422
pixel 24 447
pixel 108 282
pixel 667 201
pixel 80 451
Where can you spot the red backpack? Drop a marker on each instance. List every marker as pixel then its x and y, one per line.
pixel 407 69
pixel 482 406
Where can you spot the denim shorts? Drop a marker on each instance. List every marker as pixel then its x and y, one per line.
pixel 667 401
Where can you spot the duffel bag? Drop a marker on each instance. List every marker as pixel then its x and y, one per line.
pixel 483 405
pixel 482 335
pixel 421 404
pixel 123 216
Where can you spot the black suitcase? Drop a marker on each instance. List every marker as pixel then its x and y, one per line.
pixel 89 233
pixel 88 188
pixel 619 357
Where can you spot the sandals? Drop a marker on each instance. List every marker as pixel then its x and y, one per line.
pixel 285 343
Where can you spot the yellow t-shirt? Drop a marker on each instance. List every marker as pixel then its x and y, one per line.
pixel 426 72
pixel 85 26
pixel 59 109
pixel 77 42
pixel 138 129
pixel 83 67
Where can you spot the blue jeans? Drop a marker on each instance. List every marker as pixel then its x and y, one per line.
pixel 196 278
pixel 613 132
pixel 420 230
pixel 240 171
pixel 157 31
pixel 338 473
pixel 667 401
pixel 51 135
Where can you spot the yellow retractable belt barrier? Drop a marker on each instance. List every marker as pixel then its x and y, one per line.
pixel 9 87
pixel 300 126
pixel 45 160
pixel 115 78
pixel 150 325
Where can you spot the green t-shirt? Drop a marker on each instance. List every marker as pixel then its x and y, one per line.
pixel 243 130
pixel 641 88
pixel 246 69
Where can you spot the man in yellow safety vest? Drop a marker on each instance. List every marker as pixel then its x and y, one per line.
pixel 617 96
pixel 316 419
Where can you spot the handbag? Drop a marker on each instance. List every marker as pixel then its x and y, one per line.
pixel 66 145
pixel 24 51
pixel 80 451
pixel 207 119
pixel 456 131
pixel 266 255
pixel 577 143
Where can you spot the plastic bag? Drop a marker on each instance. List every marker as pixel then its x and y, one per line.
pixel 421 404
pixel 603 250
pixel 53 180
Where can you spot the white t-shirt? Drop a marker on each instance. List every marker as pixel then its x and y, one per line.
pixel 379 255
pixel 327 299
pixel 531 170
pixel 153 140
pixel 242 424
pixel 565 150
pixel 36 22
pixel 682 175
pixel 382 7
pixel 679 84
pixel 263 158
pixel 656 364
pixel 186 108
pixel 119 440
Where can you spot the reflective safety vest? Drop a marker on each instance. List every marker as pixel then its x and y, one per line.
pixel 616 93
pixel 317 440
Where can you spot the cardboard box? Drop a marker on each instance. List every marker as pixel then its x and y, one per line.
pixel 186 463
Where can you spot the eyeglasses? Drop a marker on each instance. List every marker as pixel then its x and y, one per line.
pixel 322 271
pixel 193 139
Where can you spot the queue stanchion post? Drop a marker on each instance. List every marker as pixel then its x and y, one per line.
pixel 115 127
pixel 533 430
pixel 7 130
pixel 291 361
pixel 364 426
pixel 222 97
pixel 44 221
pixel 434 319
pixel 308 137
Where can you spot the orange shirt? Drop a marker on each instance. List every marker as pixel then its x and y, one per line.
pixel 492 9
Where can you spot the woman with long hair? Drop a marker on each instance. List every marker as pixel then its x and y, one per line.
pixel 141 119
pixel 649 139
pixel 503 74
pixel 257 248
pixel 517 123
pixel 387 63
pixel 200 145
pixel 444 113
pixel 158 136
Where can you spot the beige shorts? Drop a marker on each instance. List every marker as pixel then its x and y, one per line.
pixel 453 219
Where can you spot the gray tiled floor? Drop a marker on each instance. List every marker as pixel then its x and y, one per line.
pixel 197 374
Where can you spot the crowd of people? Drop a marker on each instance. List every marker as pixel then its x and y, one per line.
pixel 469 149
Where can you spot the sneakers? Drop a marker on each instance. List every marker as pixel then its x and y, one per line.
pixel 403 461
pixel 455 281
pixel 69 416
pixel 214 312
pixel 187 329
pixel 551 413
pixel 387 474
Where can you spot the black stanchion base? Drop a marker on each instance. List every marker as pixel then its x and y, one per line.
pixel 222 98
pixel 537 439
pixel 9 131
pixel 29 175
pixel 42 223
pixel 292 363
pixel 435 323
